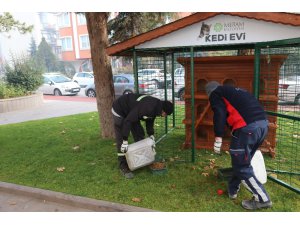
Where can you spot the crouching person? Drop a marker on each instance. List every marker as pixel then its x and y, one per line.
pixel 128 110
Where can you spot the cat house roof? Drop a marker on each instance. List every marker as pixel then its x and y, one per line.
pixel 214 28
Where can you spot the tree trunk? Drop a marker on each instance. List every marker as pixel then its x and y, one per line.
pixel 97 28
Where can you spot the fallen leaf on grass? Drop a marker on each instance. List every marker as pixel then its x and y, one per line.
pixel 136 199
pixel 173 186
pixel 76 147
pixel 274 175
pixel 205 174
pixel 206 168
pixel 60 169
pixel 212 166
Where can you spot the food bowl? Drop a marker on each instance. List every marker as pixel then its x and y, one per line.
pixel 158 167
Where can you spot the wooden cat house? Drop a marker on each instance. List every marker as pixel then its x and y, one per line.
pixel 228 70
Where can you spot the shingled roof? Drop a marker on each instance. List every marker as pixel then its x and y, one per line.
pixel 275 17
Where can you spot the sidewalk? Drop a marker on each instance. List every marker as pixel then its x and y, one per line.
pixel 51 108
pixel 17 198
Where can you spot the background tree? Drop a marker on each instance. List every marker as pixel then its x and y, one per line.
pixel 127 24
pixel 8 23
pixel 66 68
pixel 32 48
pixel 46 57
pixel 97 28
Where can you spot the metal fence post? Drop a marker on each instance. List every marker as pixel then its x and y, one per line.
pixel 135 72
pixel 256 71
pixel 165 86
pixel 173 91
pixel 193 103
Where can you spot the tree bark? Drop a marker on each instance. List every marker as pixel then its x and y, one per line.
pixel 97 28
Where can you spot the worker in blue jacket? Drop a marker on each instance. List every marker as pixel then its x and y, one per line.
pixel 128 110
pixel 242 112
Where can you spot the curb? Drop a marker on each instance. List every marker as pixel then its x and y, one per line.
pixel 19 103
pixel 71 200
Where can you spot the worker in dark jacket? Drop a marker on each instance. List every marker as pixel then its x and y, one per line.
pixel 128 110
pixel 246 118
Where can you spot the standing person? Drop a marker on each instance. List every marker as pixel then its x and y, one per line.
pixel 128 110
pixel 249 125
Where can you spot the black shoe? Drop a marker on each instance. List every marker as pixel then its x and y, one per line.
pixel 252 204
pixel 125 171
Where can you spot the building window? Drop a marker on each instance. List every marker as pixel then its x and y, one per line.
pixel 84 42
pixel 66 44
pixel 81 19
pixel 64 20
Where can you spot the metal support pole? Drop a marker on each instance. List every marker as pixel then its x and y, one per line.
pixel 165 86
pixel 193 104
pixel 297 190
pixel 135 72
pixel 173 91
pixel 256 71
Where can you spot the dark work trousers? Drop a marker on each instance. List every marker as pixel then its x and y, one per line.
pixel 137 131
pixel 245 141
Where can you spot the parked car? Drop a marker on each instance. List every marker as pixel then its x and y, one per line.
pixel 179 77
pixel 179 93
pixel 83 78
pixel 124 84
pixel 156 75
pixel 289 89
pixel 58 84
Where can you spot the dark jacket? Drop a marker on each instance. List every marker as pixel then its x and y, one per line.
pixel 235 106
pixel 133 109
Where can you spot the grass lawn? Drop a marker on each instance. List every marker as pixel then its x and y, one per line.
pixel 66 154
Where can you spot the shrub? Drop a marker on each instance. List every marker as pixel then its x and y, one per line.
pixel 23 73
pixel 8 91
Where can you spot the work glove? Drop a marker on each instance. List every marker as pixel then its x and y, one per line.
pixel 124 147
pixel 153 139
pixel 217 145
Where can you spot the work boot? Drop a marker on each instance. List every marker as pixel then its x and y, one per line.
pixel 252 204
pixel 125 171
pixel 232 196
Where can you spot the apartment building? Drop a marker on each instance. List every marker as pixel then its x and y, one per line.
pixel 74 40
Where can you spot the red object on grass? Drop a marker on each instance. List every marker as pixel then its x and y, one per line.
pixel 220 191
